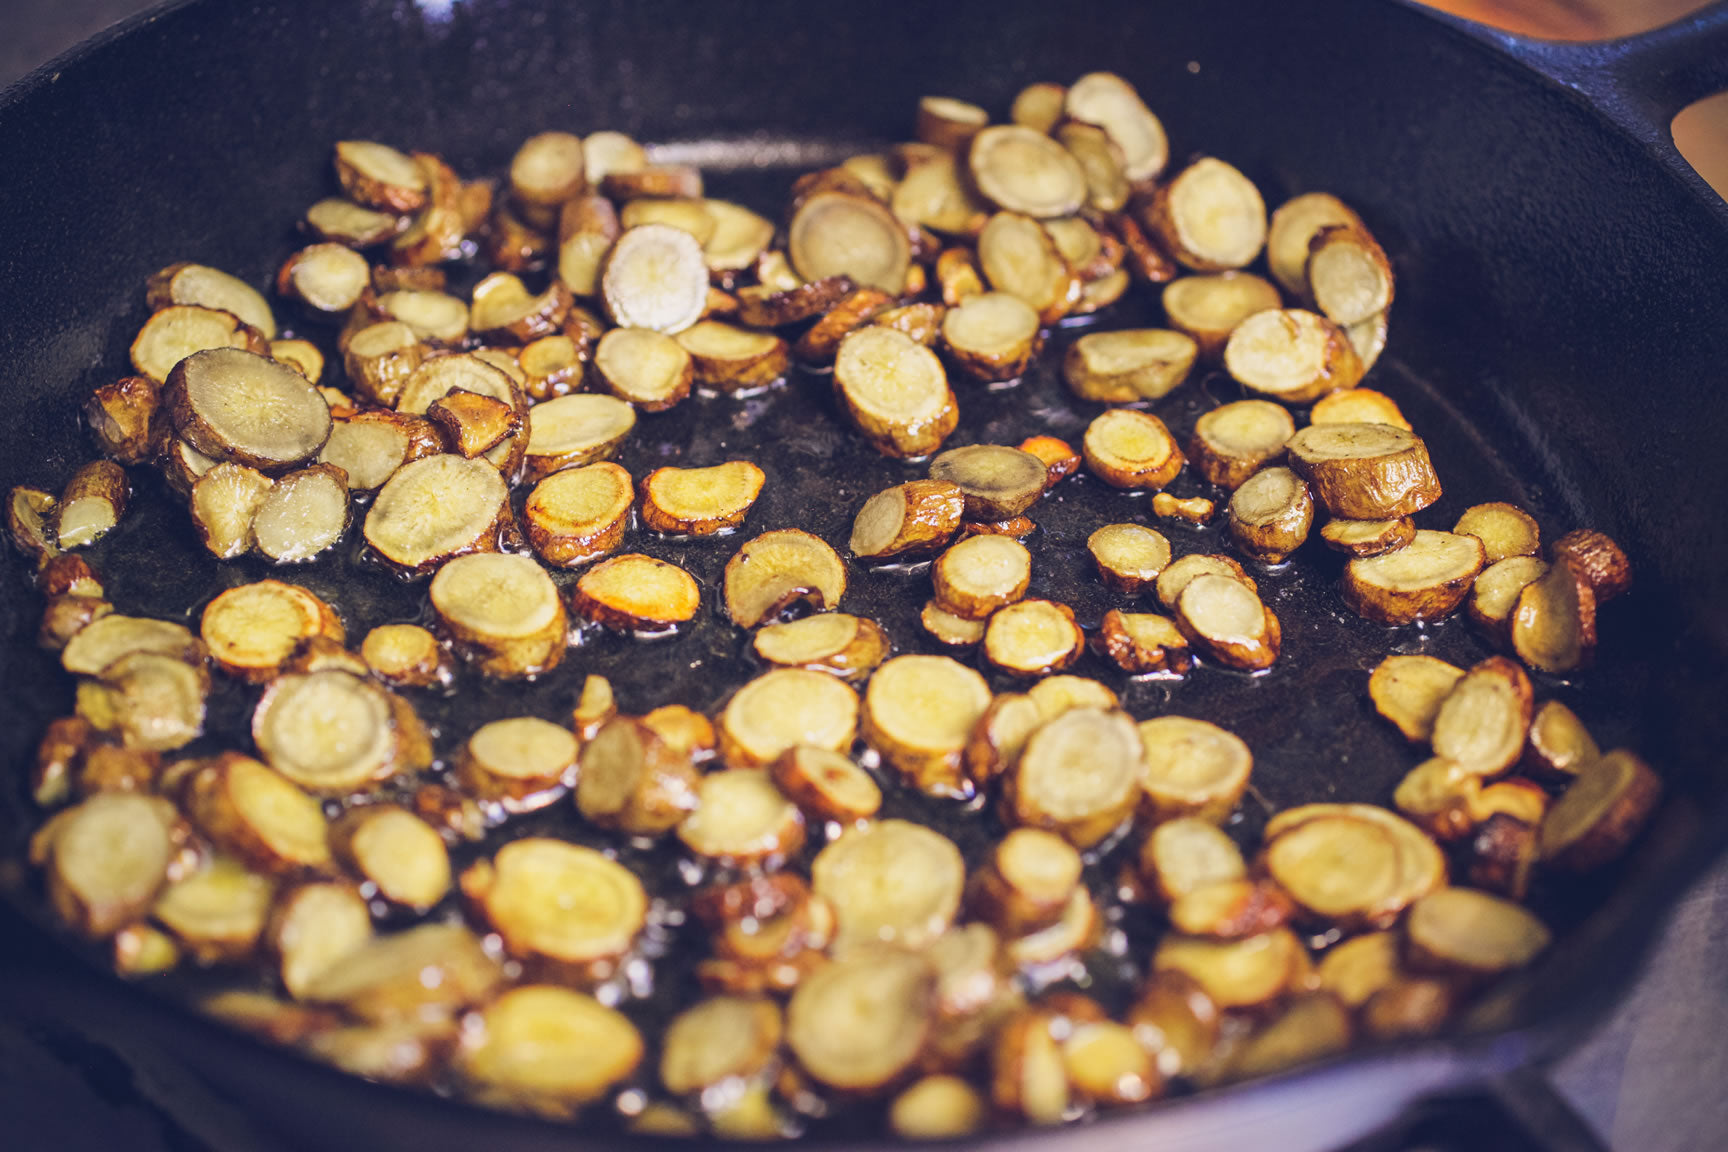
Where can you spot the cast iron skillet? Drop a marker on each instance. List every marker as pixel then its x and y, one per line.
pixel 1558 336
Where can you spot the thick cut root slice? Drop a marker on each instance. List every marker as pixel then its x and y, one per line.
pixel 1130 449
pixel 636 593
pixel 1018 256
pixel 329 732
pixel 329 279
pixel 1234 441
pixel 860 1023
pixel 890 882
pixel 1553 622
pixel 503 611
pixel 182 330
pixel 1208 308
pixel 207 287
pixel 1293 227
pixel 574 430
pixel 547 1051
pixel 1228 622
pixel 396 852
pixel 522 763
pixel 217 914
pixel 1178 574
pixel 724 1038
pixel 1022 170
pixel 1243 973
pixel 1187 855
pixel 1210 217
pixel 437 508
pixel 655 277
pixel 405 656
pixel 895 391
pixel 1193 768
pixel 1270 514
pixel 1409 690
pixel 826 785
pixel 1365 471
pixel 1291 355
pixel 1421 868
pixel 733 359
pixel 1349 277
pixel 1032 637
pixel 839 234
pixel 92 504
pixel 778 569
pixel 741 819
pixel 1483 721
pixel 1462 930
pixel 919 712
pixel 908 520
pixel 579 514
pixel 981 574
pixel 1107 100
pixel 1495 594
pixel 1598 559
pixel 225 501
pixel 700 501
pixel 1601 812
pixel 302 515
pixel 1427 579
pixel 646 368
pixel 847 646
pixel 1128 365
pixel 259 816
pixel 1339 871
pixel 425 973
pixel 378 176
pixel 991 335
pixel 108 858
pixel 232 404
pixel 562 907
pixel 1026 882
pixel 1358 405
pixel 999 482
pixel 1129 557
pixel 634 780
pixel 1368 537
pixel 947 629
pixel 786 708
pixel 1079 776
pixel 1143 642
pixel 104 642
pixel 1559 746
pixel 312 928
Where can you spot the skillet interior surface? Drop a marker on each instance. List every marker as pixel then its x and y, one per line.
pixel 1555 338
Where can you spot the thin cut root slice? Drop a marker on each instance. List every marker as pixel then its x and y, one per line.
pixel 1462 930
pixel 1079 776
pixel 1143 642
pixel 329 732
pixel 741 818
pixel 847 646
pixel 999 482
pixel 1129 557
pixel 636 593
pixel 1368 537
pixel 836 233
pixel 890 882
pixel 575 430
pixel 1483 721
pixel 503 611
pixel 436 508
pixel 1227 621
pixel 1408 690
pixel 1291 355
pixel 1425 580
pixel 1208 308
pixel 859 1023
pixel 562 906
pixel 826 785
pixel 1032 637
pixel 1209 216
pixel 396 852
pixel 919 712
pixel 522 763
pixel 579 514
pixel 304 514
pixel 251 630
pixel 1193 768
pixel 778 569
pixel 1358 405
pixel 1107 100
pixel 1553 622
pixel 1130 449
pixel 1601 812
pixel 1023 170
pixel 895 391
pixel 1131 364
pixel 1270 514
pixel 786 708
pixel 232 404
pixel 700 501
pixel 1504 529
pixel 981 574
pixel 655 277
pixel 992 336
pixel 547 1051
pixel 1233 441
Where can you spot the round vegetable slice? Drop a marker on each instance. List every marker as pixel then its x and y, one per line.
pixel 547 1050
pixel 890 882
pixel 859 1023
pixel 562 906
pixel 232 404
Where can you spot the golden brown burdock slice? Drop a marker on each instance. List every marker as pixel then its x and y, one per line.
pixel 825 784
pixel 395 851
pixel 1504 529
pixel 1365 471
pixel 369 446
pixel 1553 621
pixel 741 819
pixel 573 430
pixel 858 1024
pixel 720 1039
pixel 1176 575
pixel 218 913
pixel 919 712
pixel 312 928
pixel 1427 579
pixel 121 416
pixel 890 882
pixel 1102 162
pixel 1142 642
pixel 329 279
pixel 785 708
pixel 1018 256
pixel 777 569
pixel 437 508
pixel 991 336
pixel 1601 812
pixel 947 629
pixel 378 176
pixel 1209 216
pixel 1193 768
pixel 251 630
pixel 1291 355
pixel 1032 637
pixel 345 222
pixel 91 504
pixel 1129 557
pixel 381 358
pixel 1409 690
pixel 700 501
pixel 733 359
pixel 1270 514
pixel 1358 405
pixel 636 593
pixel 1597 558
pixel 330 732
pixel 908 520
pixel 428 972
pixel 1079 776
pixel 1025 882
pixel 150 701
pixel 1019 169
pixel 563 908
pixel 1186 855
pixel 1559 746
pixel 837 233
pixel 1208 308
pixel 847 646
pixel 107 858
pixel 303 514
pixel 579 514
pixel 1127 365
pixel 939 1107
pixel 634 780
pixel 1130 449
pixel 405 656
pixel 1228 622
pixel 1107 100
pixel 1234 441
pixel 1349 277
pixel 546 1051
pixel 895 391
pixel 1472 933
pixel 1235 973
pixel 1368 537
pixel 181 330
pixel 1483 721
pixel 1296 222
pixel 207 287
pixel 981 574
pixel 473 424
pixel 503 612
pixel 521 763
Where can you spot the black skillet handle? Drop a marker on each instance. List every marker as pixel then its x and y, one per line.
pixel 1638 82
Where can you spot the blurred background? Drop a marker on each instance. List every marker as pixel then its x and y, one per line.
pixel 1651 1079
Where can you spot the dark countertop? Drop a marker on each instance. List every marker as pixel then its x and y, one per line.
pixel 1649 1080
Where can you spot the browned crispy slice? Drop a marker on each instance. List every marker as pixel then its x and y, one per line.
pixel 1601 812
pixel 578 429
pixel 1131 449
pixel 1367 537
pixel 1409 690
pixel 636 593
pixel 700 501
pixel 634 780
pixel 852 1048
pixel 1553 621
pixel 1358 405
pixel 522 894
pixel 981 574
pixel 991 336
pixel 1291 355
pixel 1365 471
pixel 579 514
pixel 826 784
pixel 919 712
pixel 895 391
pixel 1193 768
pixel 1348 276
pixel 1228 622
pixel 1142 642
pixel 1427 579
pixel 252 629
pixel 396 852
pixel 91 504
pixel 1270 514
pixel 908 520
pixel 122 417
pixel 1598 559
pixel 777 569
pixel 1504 529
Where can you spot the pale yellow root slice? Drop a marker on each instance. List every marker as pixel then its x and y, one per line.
pixel 1209 216
pixel 1291 355
pixel 329 732
pixel 992 336
pixel 920 321
pixel 733 359
pixel 1032 637
pixel 144 950
pixel 762 306
pixel 1142 642
pixel 826 785
pixel 1108 1067
pixel 1028 1076
pixel 233 404
pixel 1208 308
pixel 1296 222
pixel 948 629
pixel 908 520
pixel 107 859
pixel 938 1107
pixel 1078 776
pixel 395 852
pixel 636 593
pixel 1408 690
pixel 181 330
pixel 1349 278
pixel 405 656
pixel 1504 529
pixel 1129 557
pixel 579 514
pixel 1369 537
pixel 207 287
pixel 1107 100
pixel 1368 338
pixel 1051 949
pixel 1193 768
pixel 1553 621
pixel 1601 812
pixel 436 317
pixel 895 391
pixel 946 122
pixel 1234 441
pixel 1102 162
pixel 1026 882
pixel 839 234
pixel 1339 871
pixel 1483 721
pixel 1440 795
pixel 1000 734
pixel 522 763
pixel 1365 471
pixel 548 169
pixel 574 430
pixel 1421 867
pixel 1427 579
pixel 604 153
pixel 1270 514
pixel 1130 449
pixel 1559 746
pixel 148 701
pixel 1132 364
pixel 890 882
pixel 381 358
pixel 1228 622
pixel 1019 257
pixel 218 913
pixel 1176 576
pixel 303 515
pixel 547 1051
pixel 104 642
pixel 312 928
pixel 919 712
pixel 738 238
pixel 563 907
pixel 659 181
pixel 981 574
pixel 720 1039
pixel 1055 695
pixel 1039 106
pixel 1495 594
pixel 378 176
pixel 634 780
pixel 1234 973
pixel 1186 855
pixel 785 708
pixel 587 227
pixel 436 508
pixel 655 277
pixel 554 366
pixel 741 819
pixel 503 310
pixel 1019 169
pixel 700 501
pixel 346 222
pixel 777 569
pixel 503 612
pixel 1462 930
pixel 1086 249
pixel 858 1024
pixel 835 642
pixel 1358 406
pixel 370 446
pixel 258 816
pixel 329 279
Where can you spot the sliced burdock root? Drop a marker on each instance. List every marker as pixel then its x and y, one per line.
pixel 785 708
pixel 1367 537
pixel 742 819
pixel 1234 441
pixel 1209 216
pixel 847 646
pixel 546 1051
pixel 587 227
pixel 1483 721
pixel 122 417
pixel 92 504
pixel 104 642
pixel 723 1040
pixel 634 781
pixel 733 359
pixel 225 501
pixel 991 336
pixel 1185 855
pixel 380 359
pixel 524 894
pixel 1130 449
pixel 908 520
pixel 1310 1027
pixel 312 927
pixel 1179 573
pixel 649 369
pixel 1598 559
pixel 778 569
pixel 1348 276
pixel 890 882
pixel 1107 100
pixel 1208 308
pixel 329 279
pixel 1192 768
pixel 1102 163
pixel 1078 776
pixel 1270 514
pixel 1227 622
pixel 1247 973
pixel 636 593
pixel 1294 226
pixel 825 784
pixel 1409 690
pixel 217 914
pixel 981 574
pixel 859 1024
pixel 303 514
pixel 1504 529
pixel 579 514
pixel 378 176
pixel 396 852
pixel 1358 406
pixel 684 729
pixel 1420 866
pixel 1365 471
pixel 182 330
pixel 1472 933
pixel 1427 579
pixel 251 631
pixel 522 763
pixel 1601 812
pixel 821 341
pixel 1060 459
pixel 1124 366
pixel 1231 909
pixel 304 357
pixel 655 277
pixel 948 629
pixel 1142 642
pixel 938 1107
pixel 1019 169
pixel 232 404
pixel 331 733
pixel 437 508
pixel 1339 871
pixel 346 222
pixel 1177 1021
pixel 575 430
pixel 895 391
pixel 919 713
pixel 1193 510
pixel 1129 557
pixel 1033 638
pixel 771 306
pixel 1559 745
pixel 1495 594
pixel 207 287
pixel 837 233
pixel 554 366
pixel 1039 106
pixel 107 858
pixel 1553 621
pixel 406 656
pixel 473 424
pixel 1019 257
pixel 700 501
pixel 1291 355
pixel 429 972
pixel 151 701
